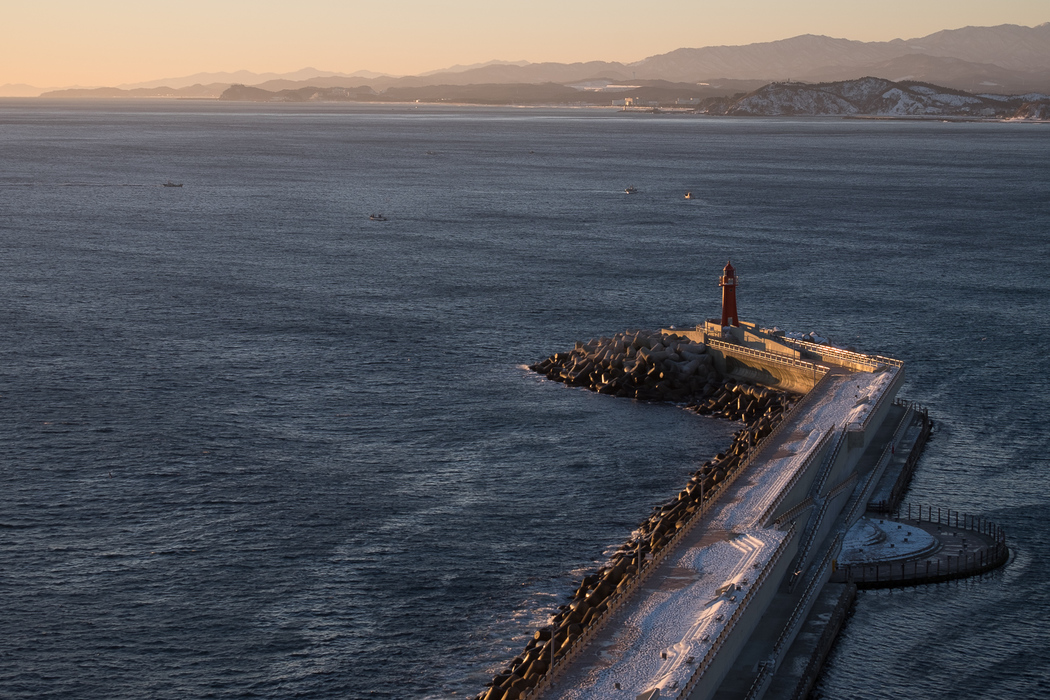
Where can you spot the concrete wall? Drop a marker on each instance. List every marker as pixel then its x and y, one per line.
pixel 776 370
pixel 845 463
pixel 695 336
pixel 860 436
pixel 844 358
pixel 745 626
pixel 824 528
pixel 750 335
pixel 800 489
pixel 765 372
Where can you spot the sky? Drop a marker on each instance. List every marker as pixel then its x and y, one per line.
pixel 60 43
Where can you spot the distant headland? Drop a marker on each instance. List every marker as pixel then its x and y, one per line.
pixel 866 97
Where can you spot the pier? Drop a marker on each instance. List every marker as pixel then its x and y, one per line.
pixel 741 594
pixel 764 550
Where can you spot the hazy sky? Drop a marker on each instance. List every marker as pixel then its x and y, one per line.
pixel 50 43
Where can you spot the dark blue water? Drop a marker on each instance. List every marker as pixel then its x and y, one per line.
pixel 253 444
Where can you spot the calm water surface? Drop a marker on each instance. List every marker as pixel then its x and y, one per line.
pixel 256 445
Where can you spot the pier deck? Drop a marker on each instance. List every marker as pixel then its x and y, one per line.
pixel 707 596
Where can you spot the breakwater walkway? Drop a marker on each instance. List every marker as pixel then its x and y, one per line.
pixel 687 621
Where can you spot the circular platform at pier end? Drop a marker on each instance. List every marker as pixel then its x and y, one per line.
pixel 882 552
pixel 877 540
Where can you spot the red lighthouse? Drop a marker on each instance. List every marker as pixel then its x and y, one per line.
pixel 728 285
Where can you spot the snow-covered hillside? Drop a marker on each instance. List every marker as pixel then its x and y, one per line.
pixel 879 97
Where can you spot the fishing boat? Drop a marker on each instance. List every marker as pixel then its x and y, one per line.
pixel 376 217
pixel 630 189
pixel 169 183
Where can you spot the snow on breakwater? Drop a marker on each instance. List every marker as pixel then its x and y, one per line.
pixel 654 366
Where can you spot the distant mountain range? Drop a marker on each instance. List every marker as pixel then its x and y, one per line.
pixel 245 77
pixel 1007 59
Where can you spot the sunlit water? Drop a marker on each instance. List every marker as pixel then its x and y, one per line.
pixel 254 444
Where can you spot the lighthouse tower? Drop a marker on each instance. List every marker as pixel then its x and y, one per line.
pixel 728 285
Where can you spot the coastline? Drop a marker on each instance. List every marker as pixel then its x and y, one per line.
pixel 648 111
pixel 932 119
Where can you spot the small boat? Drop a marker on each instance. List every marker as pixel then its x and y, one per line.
pixel 688 195
pixel 376 217
pixel 630 189
pixel 169 183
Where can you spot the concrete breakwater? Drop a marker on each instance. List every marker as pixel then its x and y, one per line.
pixel 652 366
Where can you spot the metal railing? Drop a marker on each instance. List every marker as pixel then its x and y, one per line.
pixel 925 426
pixel 816 583
pixel 765 355
pixel 829 464
pixel 767 516
pixel 818 483
pixel 810 533
pixel 985 558
pixel 794 511
pixel 859 358
pixel 761 682
pixel 842 486
pixel 913 405
pixel 769 667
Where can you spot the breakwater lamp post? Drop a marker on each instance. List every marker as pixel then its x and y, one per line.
pixel 728 284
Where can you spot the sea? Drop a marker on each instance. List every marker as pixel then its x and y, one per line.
pixel 254 444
